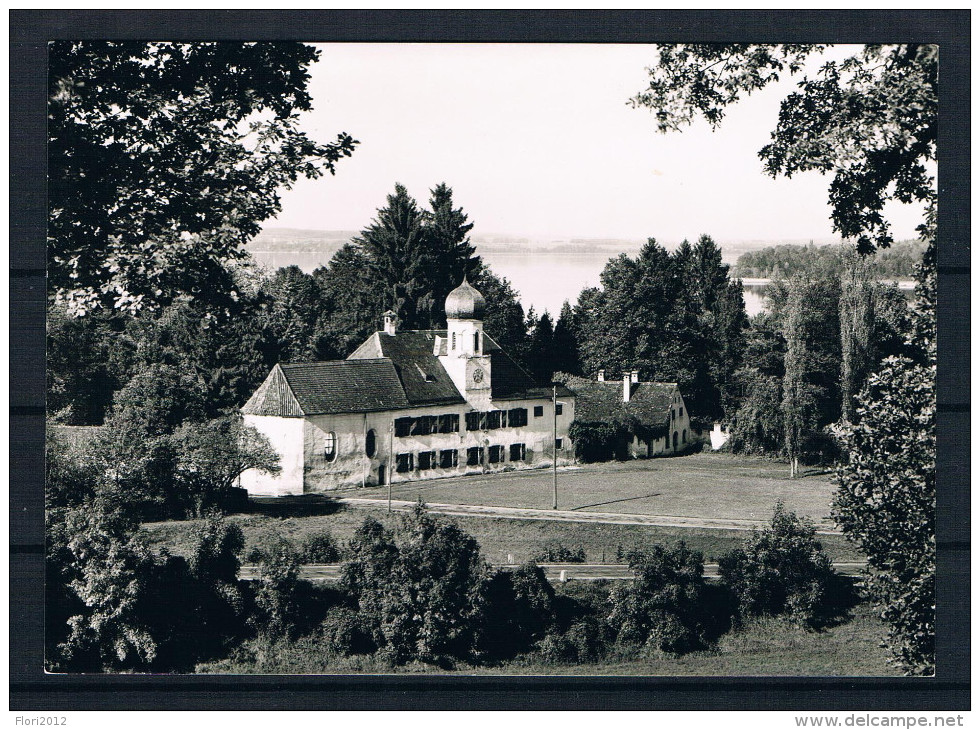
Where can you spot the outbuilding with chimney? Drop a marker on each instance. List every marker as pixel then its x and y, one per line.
pixel 408 405
pixel 630 418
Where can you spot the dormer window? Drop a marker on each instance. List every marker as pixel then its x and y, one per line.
pixel 427 377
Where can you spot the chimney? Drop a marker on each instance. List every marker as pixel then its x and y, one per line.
pixel 626 386
pixel 602 376
pixel 389 322
pixel 634 376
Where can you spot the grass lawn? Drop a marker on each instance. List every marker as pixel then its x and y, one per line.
pixel 767 647
pixel 698 485
pixel 498 537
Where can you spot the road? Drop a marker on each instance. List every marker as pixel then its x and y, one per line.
pixel 553 571
pixel 608 518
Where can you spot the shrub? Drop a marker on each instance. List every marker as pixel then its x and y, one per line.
pixel 519 608
pixel 599 441
pixel 581 643
pixel 556 649
pixel 106 567
pixel 661 607
pixel 422 598
pixel 558 553
pixel 780 570
pixel 320 548
pixel 344 632
pixel 276 595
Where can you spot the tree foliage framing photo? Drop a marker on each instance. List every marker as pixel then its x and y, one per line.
pixel 870 121
pixel 165 158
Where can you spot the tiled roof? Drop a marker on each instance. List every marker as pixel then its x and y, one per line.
pixel 649 403
pixel 337 386
pixel 508 381
pixel 387 372
pixel 424 379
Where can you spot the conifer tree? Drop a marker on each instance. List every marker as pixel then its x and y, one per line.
pixel 398 255
pixel 453 256
pixel 541 349
pixel 565 342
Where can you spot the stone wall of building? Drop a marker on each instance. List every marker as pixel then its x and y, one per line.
pixel 286 437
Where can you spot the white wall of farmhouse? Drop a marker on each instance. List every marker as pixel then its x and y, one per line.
pixel 352 467
pixel 301 444
pixel 286 437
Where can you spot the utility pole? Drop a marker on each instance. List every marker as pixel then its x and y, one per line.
pixel 554 461
pixel 391 460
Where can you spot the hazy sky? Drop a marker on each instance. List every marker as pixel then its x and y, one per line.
pixel 538 140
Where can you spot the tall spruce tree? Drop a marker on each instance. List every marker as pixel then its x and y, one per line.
pixel 353 302
pixel 566 343
pixel 541 349
pixel 398 255
pixel 453 256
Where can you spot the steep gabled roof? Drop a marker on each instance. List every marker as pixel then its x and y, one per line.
pixel 649 403
pixel 423 378
pixel 508 381
pixel 337 386
pixel 387 372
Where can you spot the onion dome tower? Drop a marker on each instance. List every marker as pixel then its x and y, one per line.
pixel 465 360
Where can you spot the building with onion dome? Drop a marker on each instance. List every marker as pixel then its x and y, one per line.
pixel 408 405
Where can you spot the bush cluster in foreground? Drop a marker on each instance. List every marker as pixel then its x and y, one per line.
pixel 421 593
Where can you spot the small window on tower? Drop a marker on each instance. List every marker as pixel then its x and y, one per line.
pixel 476 342
pixel 454 340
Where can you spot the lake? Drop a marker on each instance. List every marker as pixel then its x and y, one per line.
pixel 543 280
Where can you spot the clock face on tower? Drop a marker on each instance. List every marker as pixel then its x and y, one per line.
pixel 478 376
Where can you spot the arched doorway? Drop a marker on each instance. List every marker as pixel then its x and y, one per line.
pixel 675 440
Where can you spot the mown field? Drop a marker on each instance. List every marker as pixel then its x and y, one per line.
pixel 697 485
pixel 502 540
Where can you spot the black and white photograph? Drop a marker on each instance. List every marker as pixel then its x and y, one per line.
pixel 458 359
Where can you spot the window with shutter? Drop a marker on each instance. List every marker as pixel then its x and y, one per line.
pixel 404 463
pixel 403 426
pixel 427 460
